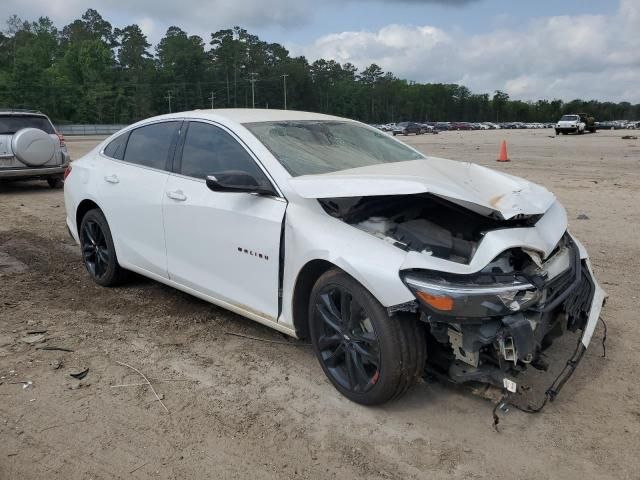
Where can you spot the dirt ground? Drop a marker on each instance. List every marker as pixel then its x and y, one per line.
pixel 239 408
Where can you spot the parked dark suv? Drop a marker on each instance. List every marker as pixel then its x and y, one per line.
pixel 30 147
pixel 405 128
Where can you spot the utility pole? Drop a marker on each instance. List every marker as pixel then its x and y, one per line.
pixel 213 99
pixel 284 81
pixel 253 89
pixel 168 97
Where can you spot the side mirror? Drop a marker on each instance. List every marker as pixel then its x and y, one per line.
pixel 237 182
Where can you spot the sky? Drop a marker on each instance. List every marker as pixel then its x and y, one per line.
pixel 531 49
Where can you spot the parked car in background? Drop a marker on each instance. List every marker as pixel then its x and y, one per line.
pixel 426 128
pixel 30 148
pixel 405 128
pixel 460 126
pixel 442 126
pixel 326 229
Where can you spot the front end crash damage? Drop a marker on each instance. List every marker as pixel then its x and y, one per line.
pixel 485 324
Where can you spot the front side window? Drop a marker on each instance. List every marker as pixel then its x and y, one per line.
pixel 150 146
pixel 209 150
pixel 324 146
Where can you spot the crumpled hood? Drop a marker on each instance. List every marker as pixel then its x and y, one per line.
pixel 470 185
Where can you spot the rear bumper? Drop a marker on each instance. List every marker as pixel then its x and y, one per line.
pixel 16 173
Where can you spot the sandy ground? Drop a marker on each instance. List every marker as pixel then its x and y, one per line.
pixel 241 408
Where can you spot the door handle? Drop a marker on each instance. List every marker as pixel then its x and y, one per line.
pixel 177 195
pixel 111 179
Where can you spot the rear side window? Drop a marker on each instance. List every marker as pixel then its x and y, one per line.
pixel 150 146
pixel 115 149
pixel 209 150
pixel 10 125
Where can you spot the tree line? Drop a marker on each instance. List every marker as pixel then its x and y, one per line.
pixel 91 72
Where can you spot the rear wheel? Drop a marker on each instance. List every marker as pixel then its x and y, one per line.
pixel 55 182
pixel 98 251
pixel 367 355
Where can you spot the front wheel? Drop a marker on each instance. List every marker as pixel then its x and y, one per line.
pixel 369 356
pixel 98 251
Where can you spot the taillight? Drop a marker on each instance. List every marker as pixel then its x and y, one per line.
pixel 61 138
pixel 67 171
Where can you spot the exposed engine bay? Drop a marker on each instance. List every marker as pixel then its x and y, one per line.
pixel 490 325
pixel 423 223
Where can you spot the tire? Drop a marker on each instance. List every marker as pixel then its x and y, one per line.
pixel 55 182
pixel 98 251
pixel 557 132
pixel 386 354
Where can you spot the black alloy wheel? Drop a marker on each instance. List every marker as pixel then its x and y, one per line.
pixel 348 344
pixel 98 251
pixel 368 355
pixel 95 251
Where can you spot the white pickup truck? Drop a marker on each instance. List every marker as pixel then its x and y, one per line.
pixel 578 123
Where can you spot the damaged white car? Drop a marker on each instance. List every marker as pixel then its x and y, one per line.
pixel 392 263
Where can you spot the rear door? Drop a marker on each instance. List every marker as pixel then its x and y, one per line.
pixel 224 245
pixel 134 175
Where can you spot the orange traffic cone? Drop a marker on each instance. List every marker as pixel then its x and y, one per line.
pixel 503 153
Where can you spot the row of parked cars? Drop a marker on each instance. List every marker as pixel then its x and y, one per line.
pixel 618 125
pixel 417 128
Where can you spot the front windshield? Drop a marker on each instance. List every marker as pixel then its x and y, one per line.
pixel 320 146
pixel 569 117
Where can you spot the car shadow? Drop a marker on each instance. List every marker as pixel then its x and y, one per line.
pixel 25 186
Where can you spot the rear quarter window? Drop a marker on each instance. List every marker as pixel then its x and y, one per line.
pixel 115 149
pixel 11 124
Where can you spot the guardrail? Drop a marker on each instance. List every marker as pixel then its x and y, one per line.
pixel 77 129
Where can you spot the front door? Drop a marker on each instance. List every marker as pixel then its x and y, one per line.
pixel 224 245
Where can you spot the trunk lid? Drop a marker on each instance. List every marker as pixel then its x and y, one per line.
pixel 477 188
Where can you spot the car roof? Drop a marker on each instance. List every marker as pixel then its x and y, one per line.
pixel 21 113
pixel 250 115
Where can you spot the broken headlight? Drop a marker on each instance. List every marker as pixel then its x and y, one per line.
pixel 465 298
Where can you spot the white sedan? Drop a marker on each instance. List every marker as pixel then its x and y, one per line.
pixel 327 229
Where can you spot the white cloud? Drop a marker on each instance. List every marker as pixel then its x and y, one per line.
pixel 588 56
pixel 584 56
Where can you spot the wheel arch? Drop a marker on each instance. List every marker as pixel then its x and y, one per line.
pixel 306 279
pixel 84 206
